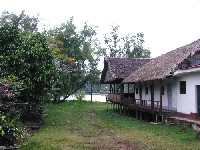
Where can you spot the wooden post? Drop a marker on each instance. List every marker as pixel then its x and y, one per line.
pixel 110 88
pixel 91 92
pixel 152 96
pixel 134 92
pixel 121 96
pixel 156 118
pixel 114 88
pixel 140 115
pixel 128 90
pixel 136 114
pixel 143 102
pixel 160 95
pixel 140 91
pixel 121 92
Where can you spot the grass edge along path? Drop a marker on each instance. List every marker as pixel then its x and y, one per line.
pixel 90 126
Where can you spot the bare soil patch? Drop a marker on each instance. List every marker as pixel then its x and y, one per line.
pixel 105 139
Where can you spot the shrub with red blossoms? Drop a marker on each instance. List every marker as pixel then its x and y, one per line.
pixel 6 89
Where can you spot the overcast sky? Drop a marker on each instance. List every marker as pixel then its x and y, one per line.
pixel 166 24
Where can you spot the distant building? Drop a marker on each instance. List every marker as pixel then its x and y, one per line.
pixel 167 84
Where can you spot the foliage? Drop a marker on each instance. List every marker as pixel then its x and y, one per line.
pixel 79 96
pixel 11 134
pixel 25 23
pixel 30 59
pixel 113 43
pixel 127 46
pixel 77 55
pixel 40 75
pixel 4 90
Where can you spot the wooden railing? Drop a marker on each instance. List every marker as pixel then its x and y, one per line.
pixel 113 97
pixel 142 104
pixel 136 103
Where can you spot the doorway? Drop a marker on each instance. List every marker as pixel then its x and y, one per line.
pixel 198 100
pixel 169 96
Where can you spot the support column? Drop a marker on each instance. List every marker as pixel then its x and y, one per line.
pixel 140 91
pixel 152 96
pixel 134 91
pixel 160 95
pixel 128 90
pixel 121 92
pixel 121 97
pixel 156 117
pixel 91 92
pixel 140 115
pixel 136 112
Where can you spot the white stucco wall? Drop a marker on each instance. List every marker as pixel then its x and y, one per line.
pixel 187 103
pixel 148 96
pixel 145 96
pixel 183 103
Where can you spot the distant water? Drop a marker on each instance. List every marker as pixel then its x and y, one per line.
pixel 95 98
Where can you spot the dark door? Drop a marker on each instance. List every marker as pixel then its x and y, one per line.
pixel 169 96
pixel 198 100
pixel 140 91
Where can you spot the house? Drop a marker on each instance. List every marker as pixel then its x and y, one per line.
pixel 169 83
pixel 115 70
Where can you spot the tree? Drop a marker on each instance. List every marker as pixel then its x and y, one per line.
pixel 127 46
pixel 77 55
pixel 25 23
pixel 30 59
pixel 112 43
pixel 133 46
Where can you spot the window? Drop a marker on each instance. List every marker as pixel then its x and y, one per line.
pixel 147 90
pixel 163 90
pixel 136 90
pixel 182 87
pixel 131 88
pixel 126 88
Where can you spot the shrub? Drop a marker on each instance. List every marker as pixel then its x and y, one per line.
pixel 11 134
pixel 79 96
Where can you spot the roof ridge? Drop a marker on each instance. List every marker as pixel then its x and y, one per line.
pixel 163 65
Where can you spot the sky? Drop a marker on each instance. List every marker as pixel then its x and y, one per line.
pixel 166 24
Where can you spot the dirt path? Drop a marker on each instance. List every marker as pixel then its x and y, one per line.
pixel 106 139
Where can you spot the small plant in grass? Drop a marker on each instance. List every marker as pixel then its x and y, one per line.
pixel 79 96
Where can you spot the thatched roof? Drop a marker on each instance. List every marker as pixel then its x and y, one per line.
pixel 116 68
pixel 164 65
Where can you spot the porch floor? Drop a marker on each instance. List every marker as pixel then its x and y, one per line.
pixel 181 119
pixel 148 108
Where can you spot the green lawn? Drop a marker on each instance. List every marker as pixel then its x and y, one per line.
pixel 90 126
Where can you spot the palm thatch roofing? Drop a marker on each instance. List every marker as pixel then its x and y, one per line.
pixel 117 68
pixel 164 65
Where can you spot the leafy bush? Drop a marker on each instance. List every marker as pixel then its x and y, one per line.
pixel 11 134
pixel 31 60
pixel 79 96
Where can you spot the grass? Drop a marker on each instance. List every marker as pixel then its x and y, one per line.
pixel 90 126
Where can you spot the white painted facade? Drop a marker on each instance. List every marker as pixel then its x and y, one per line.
pixel 187 103
pixel 183 103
